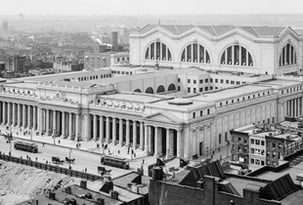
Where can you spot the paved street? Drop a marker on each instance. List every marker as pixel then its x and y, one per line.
pixel 82 159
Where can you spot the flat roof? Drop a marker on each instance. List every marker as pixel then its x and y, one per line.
pixel 128 178
pixel 276 83
pixel 133 97
pixel 292 171
pixel 25 85
pixel 230 93
pixel 241 183
pixel 166 105
pixel 295 198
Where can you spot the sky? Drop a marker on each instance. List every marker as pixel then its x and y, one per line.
pixel 148 7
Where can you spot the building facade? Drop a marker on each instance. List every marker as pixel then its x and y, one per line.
pixel 172 109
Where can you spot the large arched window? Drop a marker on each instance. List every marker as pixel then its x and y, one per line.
pixel 288 56
pixel 158 51
pixel 195 53
pixel 236 55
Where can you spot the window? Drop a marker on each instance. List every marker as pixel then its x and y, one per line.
pixel 195 81
pixel 252 160
pixel 206 88
pixel 288 55
pixel 188 80
pixel 153 52
pixel 237 55
pixel 206 80
pixel 208 111
pixel 220 139
pixel 216 80
pixel 262 142
pixel 195 53
pixel 238 82
pixel 227 81
pixel 252 141
pixel 201 81
pixel 222 81
pixel 179 80
pixel 188 89
pixel 211 87
pixel 201 113
pixel 194 90
pixel 201 90
pixel 257 142
pixel 232 82
pixel 194 115
pixel 211 80
pixel 179 88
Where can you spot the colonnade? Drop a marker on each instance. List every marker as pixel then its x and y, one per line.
pixel 294 107
pixel 19 115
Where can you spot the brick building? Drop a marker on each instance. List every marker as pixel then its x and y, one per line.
pixel 207 184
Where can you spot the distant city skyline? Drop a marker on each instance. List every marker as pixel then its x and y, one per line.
pixel 144 7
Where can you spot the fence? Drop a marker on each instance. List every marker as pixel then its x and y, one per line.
pixel 50 167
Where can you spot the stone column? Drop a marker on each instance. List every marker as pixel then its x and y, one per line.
pixel 14 115
pixel 179 144
pixel 54 122
pixel 156 142
pixel 19 123
pixel 63 124
pixel 150 139
pixel 34 117
pixel 24 116
pixel 9 110
pixel 127 132
pixel 168 142
pixel 101 129
pixel 146 139
pixel 107 130
pixel 114 131
pixel 77 127
pixel 171 144
pixel 70 124
pixel 121 131
pixel 95 127
pixel 3 113
pixel 39 119
pixel 141 136
pixel 29 117
pixel 134 135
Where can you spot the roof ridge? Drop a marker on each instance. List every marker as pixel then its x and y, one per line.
pixel 253 28
pixel 212 27
pixel 176 28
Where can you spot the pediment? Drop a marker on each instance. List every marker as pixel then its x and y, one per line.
pixel 163 117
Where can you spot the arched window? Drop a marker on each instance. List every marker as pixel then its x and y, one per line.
pixel 158 51
pixel 160 89
pixel 236 55
pixel 137 90
pixel 149 90
pixel 171 87
pixel 288 55
pixel 195 53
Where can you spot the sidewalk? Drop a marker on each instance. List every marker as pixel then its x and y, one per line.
pixel 89 146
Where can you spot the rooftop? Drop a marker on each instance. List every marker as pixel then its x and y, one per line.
pixel 217 30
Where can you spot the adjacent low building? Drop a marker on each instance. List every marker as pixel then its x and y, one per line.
pixel 264 144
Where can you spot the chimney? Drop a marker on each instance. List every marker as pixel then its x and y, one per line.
pixel 52 195
pixel 100 201
pixel 83 184
pixel 114 194
pixel 157 173
pixel 68 190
